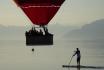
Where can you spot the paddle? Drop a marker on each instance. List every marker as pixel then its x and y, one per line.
pixel 70 60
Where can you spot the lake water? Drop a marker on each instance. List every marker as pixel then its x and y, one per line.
pixel 15 55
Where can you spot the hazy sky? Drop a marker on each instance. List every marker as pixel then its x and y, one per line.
pixel 72 12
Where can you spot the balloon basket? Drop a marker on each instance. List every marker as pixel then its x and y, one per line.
pixel 39 39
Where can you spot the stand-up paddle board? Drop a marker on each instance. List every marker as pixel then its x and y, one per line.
pixel 81 66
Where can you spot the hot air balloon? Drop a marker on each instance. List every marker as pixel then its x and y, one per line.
pixel 40 12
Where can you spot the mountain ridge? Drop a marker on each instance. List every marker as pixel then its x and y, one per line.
pixel 18 32
pixel 94 30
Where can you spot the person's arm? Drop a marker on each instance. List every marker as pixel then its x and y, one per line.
pixel 74 53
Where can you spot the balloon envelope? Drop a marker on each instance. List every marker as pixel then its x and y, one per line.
pixel 40 12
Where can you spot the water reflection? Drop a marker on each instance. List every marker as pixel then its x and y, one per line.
pixel 78 67
pixel 15 55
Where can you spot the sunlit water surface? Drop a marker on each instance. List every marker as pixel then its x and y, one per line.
pixel 15 55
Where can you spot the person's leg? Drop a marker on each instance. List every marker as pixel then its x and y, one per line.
pixel 78 61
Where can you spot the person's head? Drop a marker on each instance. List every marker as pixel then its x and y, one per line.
pixel 77 48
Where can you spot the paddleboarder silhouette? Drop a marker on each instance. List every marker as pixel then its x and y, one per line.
pixel 77 52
